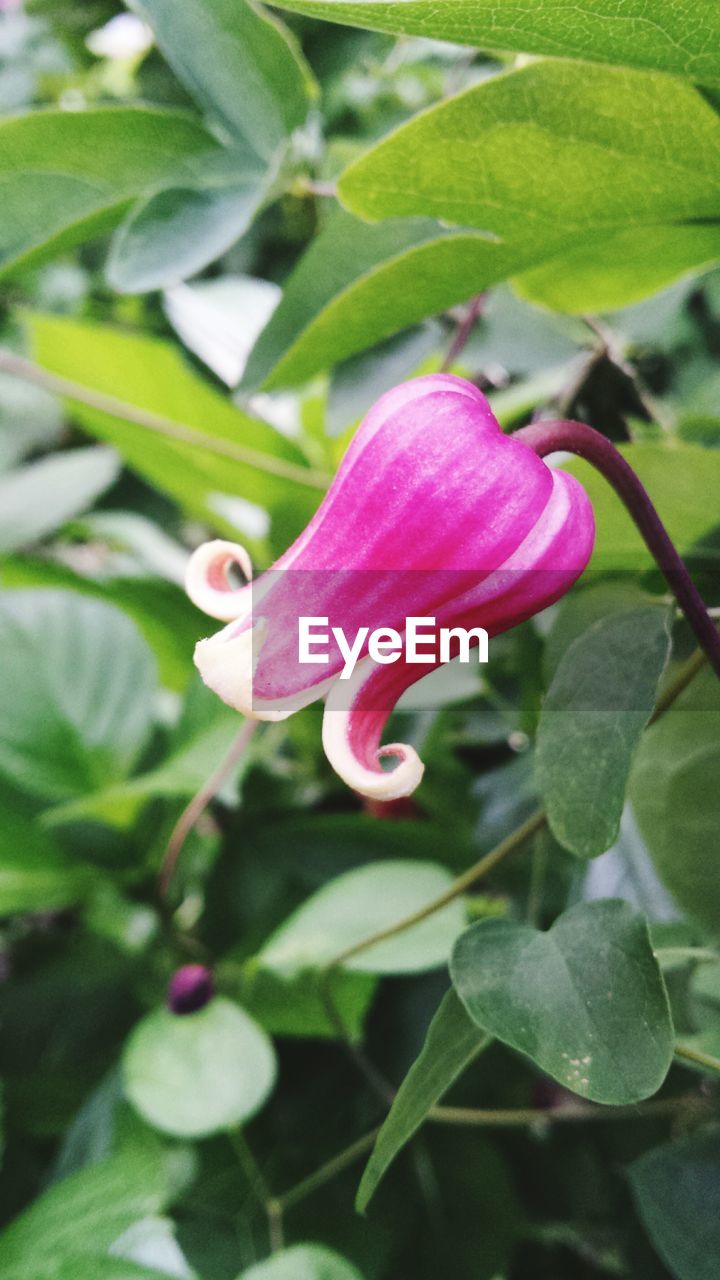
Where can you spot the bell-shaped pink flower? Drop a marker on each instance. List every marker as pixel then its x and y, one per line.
pixel 433 513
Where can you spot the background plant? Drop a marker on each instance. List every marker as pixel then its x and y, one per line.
pixel 224 233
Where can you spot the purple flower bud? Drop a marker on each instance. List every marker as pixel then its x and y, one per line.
pixel 190 989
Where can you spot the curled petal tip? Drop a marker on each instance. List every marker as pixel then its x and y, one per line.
pixel 349 736
pixel 208 583
pixel 227 665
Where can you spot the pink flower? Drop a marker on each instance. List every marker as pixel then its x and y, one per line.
pixel 433 513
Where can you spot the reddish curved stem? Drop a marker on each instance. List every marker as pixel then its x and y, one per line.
pixel 577 437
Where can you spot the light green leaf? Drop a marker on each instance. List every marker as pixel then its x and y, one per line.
pixel 303 1262
pixel 677 1192
pixel 550 149
pixel 194 1074
pixel 599 701
pixel 360 903
pixel 34 876
pixel 678 478
pixel 29 419
pixel 86 1212
pixel 621 268
pixel 174 233
pixel 239 64
pixel 675 796
pixel 669 36
pixel 453 1040
pixel 585 1001
pixel 220 320
pixel 39 498
pixel 150 376
pixel 337 303
pixel 66 175
pixel 78 690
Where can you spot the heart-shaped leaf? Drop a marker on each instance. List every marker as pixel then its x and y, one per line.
pixel 586 1000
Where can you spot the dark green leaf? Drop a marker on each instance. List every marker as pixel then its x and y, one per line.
pixel 78 688
pixel 675 795
pixel 238 63
pixel 33 874
pixel 87 1212
pixel 173 234
pixel 585 1000
pixel 600 699
pixel 65 175
pixel 677 1192
pixel 453 1040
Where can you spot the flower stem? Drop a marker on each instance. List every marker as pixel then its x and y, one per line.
pixel 577 437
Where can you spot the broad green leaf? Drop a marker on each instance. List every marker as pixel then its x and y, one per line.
pixel 360 903
pixel 675 796
pixel 161 611
pixel 303 1262
pixel 678 477
pixel 86 1266
pixel 599 701
pixel 338 302
pixel 39 498
pixel 621 268
pixel 194 1074
pixel 86 1212
pixel 66 175
pixel 151 376
pixel 78 686
pixel 239 64
pixel 295 1006
pixel 552 148
pixel 585 1001
pixel 666 35
pixel 453 1040
pixel 34 876
pixel 677 1193
pixel 174 233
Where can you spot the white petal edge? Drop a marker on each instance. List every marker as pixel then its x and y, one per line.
pixel 337 744
pixel 207 582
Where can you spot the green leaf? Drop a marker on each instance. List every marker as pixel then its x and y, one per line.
pixel 619 269
pixel 78 688
pixel 239 64
pixel 66 175
pixel 669 37
pixel 677 476
pixel 674 794
pixel 677 1193
pixel 34 876
pixel 453 1040
pixel 173 234
pixel 303 1262
pixel 39 498
pixel 194 1074
pixel 87 1212
pixel 337 303
pixel 595 710
pixel 151 376
pixel 295 1006
pixel 552 149
pixel 585 1001
pixel 360 903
